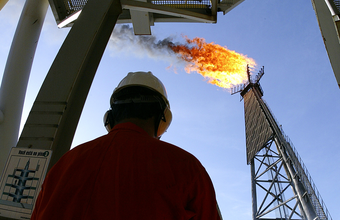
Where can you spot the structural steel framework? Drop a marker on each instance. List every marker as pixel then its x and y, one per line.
pixel 275 165
pixel 144 13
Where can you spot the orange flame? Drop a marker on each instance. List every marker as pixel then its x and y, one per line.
pixel 221 66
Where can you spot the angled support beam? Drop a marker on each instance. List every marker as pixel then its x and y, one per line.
pixel 54 116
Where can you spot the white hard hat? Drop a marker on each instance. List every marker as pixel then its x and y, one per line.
pixel 148 80
pixel 144 79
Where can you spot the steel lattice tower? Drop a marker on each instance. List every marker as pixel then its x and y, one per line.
pixel 280 183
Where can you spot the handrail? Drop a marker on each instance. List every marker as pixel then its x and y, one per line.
pixel 303 173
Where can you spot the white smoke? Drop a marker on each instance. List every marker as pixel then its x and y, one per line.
pixel 123 40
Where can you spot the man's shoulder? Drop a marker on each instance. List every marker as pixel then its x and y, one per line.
pixel 85 148
pixel 176 151
pixel 159 147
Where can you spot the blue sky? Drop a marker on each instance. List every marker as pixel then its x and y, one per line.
pixel 299 87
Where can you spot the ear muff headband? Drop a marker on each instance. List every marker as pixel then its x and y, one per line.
pixel 163 123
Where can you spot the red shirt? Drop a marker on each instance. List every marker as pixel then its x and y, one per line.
pixel 125 175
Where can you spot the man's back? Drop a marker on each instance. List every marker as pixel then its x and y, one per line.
pixel 127 175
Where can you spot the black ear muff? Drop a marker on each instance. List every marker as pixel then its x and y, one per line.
pixel 108 120
pixel 165 121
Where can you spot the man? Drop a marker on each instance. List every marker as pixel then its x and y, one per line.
pixel 129 173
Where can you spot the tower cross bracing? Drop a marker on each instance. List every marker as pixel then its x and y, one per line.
pixel 282 188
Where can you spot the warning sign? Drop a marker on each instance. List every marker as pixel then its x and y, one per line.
pixel 21 181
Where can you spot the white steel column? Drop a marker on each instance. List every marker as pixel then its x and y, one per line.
pixel 16 74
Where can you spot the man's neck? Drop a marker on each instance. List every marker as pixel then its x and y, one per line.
pixel 147 125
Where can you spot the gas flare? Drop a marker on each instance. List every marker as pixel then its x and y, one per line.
pixel 221 66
